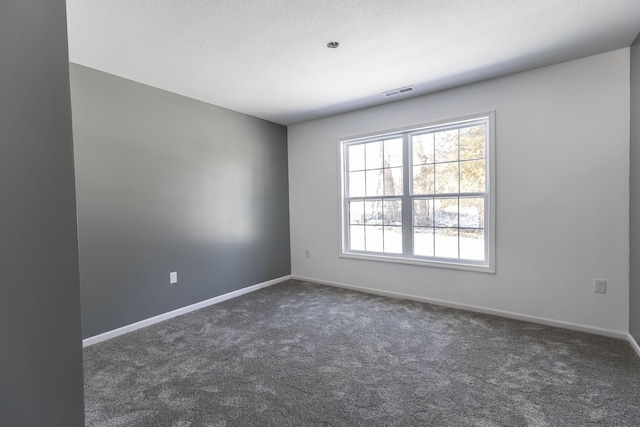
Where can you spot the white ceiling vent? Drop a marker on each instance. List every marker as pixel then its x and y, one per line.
pixel 400 91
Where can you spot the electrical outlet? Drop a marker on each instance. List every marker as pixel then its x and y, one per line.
pixel 307 254
pixel 599 286
pixel 173 277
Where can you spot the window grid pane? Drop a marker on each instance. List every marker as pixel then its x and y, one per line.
pixel 450 228
pixel 375 225
pixel 449 162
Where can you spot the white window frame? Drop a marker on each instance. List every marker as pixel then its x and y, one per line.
pixel 489 264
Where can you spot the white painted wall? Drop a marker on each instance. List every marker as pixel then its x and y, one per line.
pixel 562 194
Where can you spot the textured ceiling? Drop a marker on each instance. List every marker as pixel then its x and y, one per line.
pixel 268 58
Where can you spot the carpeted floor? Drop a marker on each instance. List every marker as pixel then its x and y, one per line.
pixel 300 354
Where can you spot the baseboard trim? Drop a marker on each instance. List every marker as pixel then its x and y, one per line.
pixel 633 343
pixel 178 312
pixel 477 309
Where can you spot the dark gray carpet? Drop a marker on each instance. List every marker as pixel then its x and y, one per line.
pixel 299 354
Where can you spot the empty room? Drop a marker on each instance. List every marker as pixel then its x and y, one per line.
pixel 320 213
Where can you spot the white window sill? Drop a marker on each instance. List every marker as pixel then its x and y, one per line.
pixel 454 264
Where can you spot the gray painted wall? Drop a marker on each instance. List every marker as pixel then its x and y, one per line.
pixel 166 183
pixel 634 279
pixel 40 346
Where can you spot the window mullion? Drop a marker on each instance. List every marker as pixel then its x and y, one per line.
pixel 407 208
pixel 346 213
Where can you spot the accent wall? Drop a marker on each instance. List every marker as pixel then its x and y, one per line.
pixel 168 184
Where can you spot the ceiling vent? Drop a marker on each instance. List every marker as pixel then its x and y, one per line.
pixel 400 91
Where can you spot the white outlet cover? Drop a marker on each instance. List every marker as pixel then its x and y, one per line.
pixel 600 286
pixel 173 277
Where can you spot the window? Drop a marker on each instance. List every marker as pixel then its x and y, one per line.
pixel 423 195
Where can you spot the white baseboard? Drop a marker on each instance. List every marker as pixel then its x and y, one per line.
pixel 501 313
pixel 634 344
pixel 180 311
